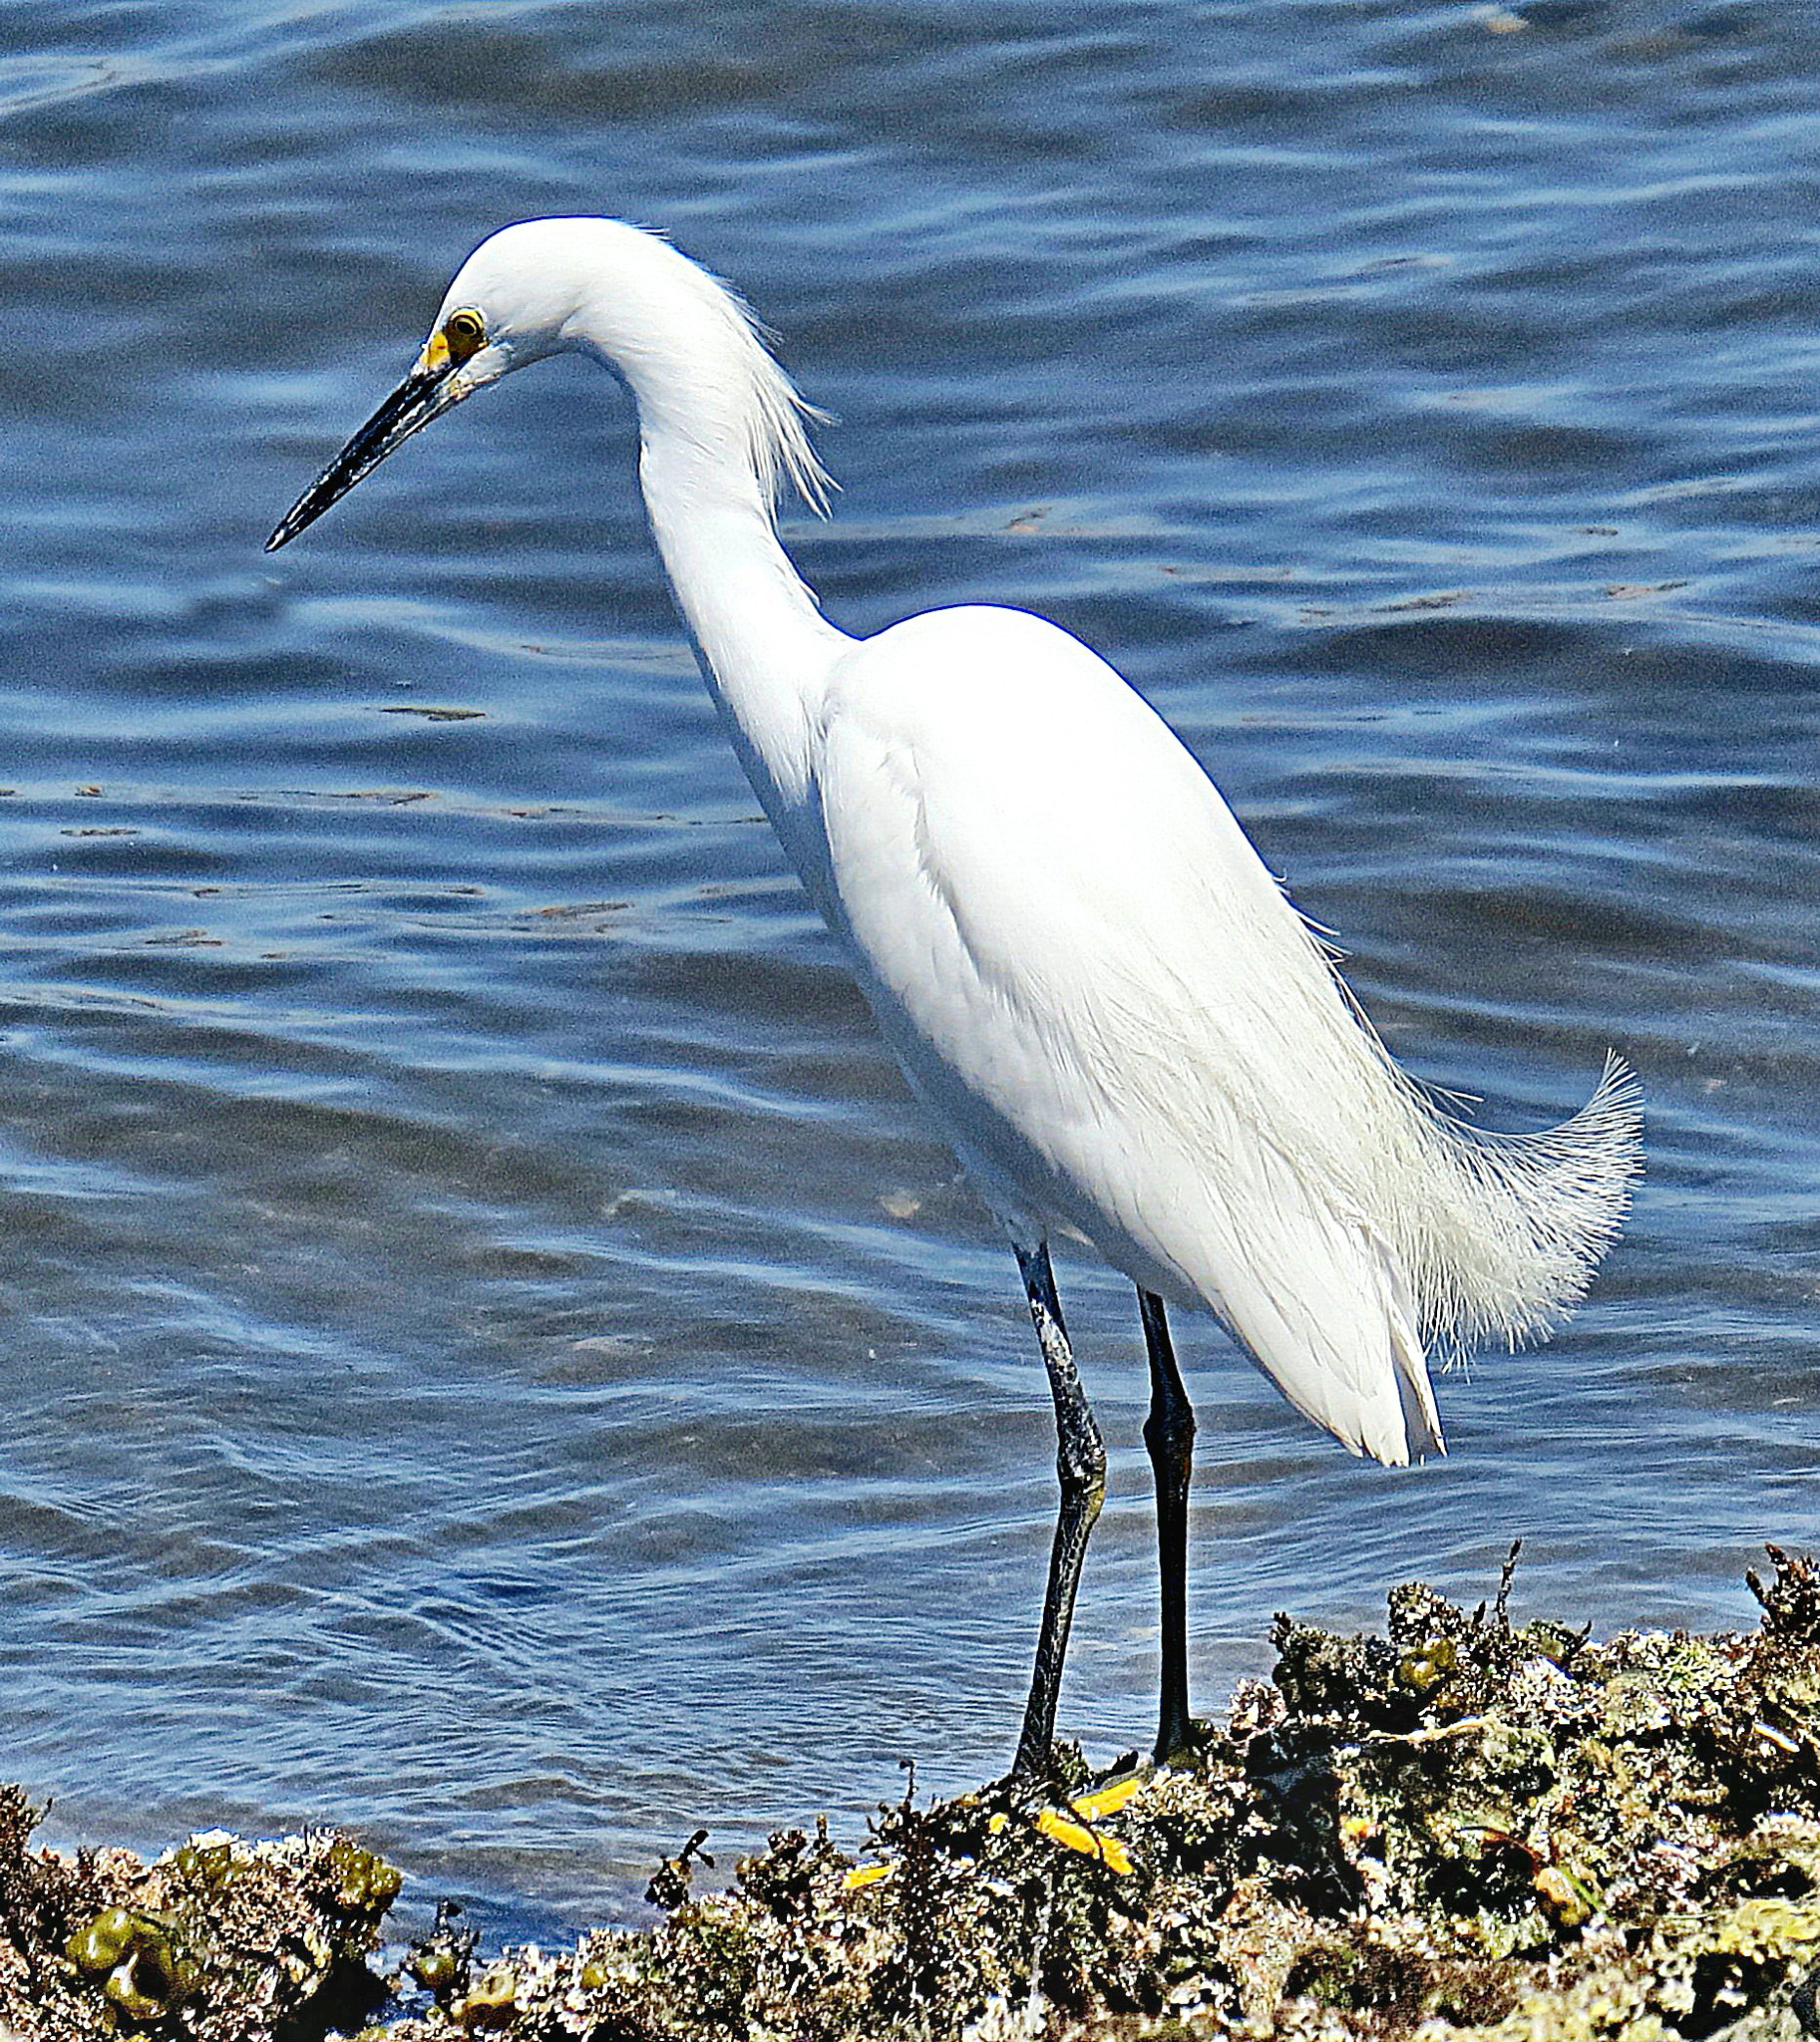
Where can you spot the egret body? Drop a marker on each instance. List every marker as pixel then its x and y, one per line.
pixel 1087 973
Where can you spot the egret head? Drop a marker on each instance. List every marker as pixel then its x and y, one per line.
pixel 682 342
pixel 500 312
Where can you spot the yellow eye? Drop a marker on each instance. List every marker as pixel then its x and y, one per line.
pixel 466 333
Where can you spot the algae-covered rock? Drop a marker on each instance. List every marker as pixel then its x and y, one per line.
pixel 220 1941
pixel 1467 1828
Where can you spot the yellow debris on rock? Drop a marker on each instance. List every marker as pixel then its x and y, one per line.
pixel 1061 1829
pixel 1107 1800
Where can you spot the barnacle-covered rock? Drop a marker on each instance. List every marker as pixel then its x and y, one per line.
pixel 220 1941
pixel 1470 1828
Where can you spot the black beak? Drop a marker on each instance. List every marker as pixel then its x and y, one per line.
pixel 422 395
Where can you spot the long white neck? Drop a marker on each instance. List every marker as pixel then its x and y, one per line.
pixel 765 647
pixel 718 426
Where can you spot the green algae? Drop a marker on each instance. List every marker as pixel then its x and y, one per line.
pixel 137 1961
pixel 220 1941
pixel 1466 1828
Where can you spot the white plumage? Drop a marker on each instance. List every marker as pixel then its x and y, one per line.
pixel 1096 982
pixel 1084 967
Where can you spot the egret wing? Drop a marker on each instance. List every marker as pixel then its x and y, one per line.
pixel 1090 974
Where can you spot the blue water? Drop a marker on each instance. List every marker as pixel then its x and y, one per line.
pixel 493 1356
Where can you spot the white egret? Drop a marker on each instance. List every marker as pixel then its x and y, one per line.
pixel 1085 969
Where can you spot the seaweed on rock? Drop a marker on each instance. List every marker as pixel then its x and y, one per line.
pixel 220 1941
pixel 1466 1828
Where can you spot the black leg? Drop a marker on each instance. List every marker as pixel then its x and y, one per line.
pixel 1169 1433
pixel 1080 1463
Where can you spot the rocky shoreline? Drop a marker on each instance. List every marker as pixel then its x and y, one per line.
pixel 1466 1827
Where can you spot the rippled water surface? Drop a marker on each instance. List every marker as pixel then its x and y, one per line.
pixel 492 1353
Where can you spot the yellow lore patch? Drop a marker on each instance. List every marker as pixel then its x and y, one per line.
pixel 457 340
